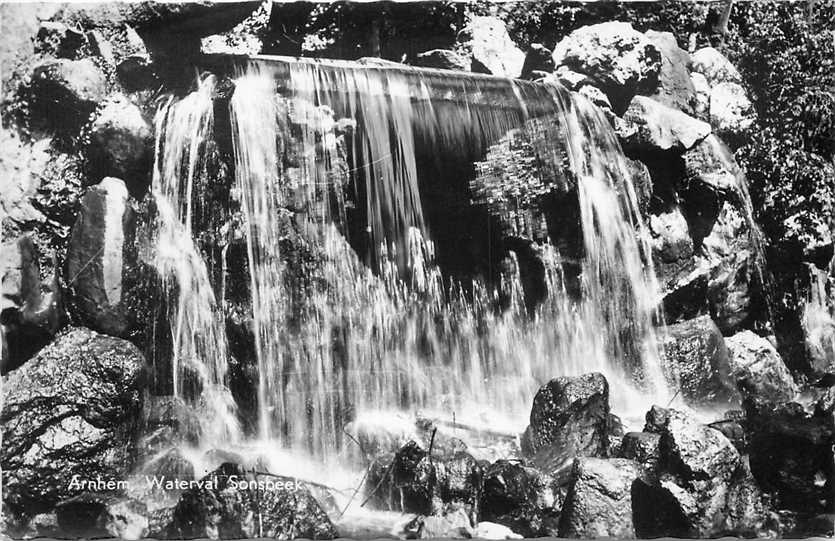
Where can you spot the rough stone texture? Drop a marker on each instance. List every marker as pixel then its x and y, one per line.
pixel 67 91
pixel 491 530
pixel 69 411
pixel 619 59
pixel 712 164
pixel 596 96
pixel 29 316
pixel 714 67
pixel 642 447
pixel 121 144
pixel 648 125
pixel 225 512
pixel 599 500
pixel 409 481
pixel 491 49
pixel 569 418
pixel 791 454
pixel 521 498
pixel 453 525
pixel 731 112
pixel 671 242
pixel 539 61
pixel 102 515
pixel 694 351
pixel 702 89
pixel 694 451
pixel 20 164
pixel 642 181
pixel 569 79
pixel 136 72
pixel 758 368
pixel 444 59
pixel 675 87
pixel 95 258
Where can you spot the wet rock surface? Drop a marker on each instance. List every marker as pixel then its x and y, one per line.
pixel 569 417
pixel 649 125
pixel 695 351
pixel 521 498
pixel 69 412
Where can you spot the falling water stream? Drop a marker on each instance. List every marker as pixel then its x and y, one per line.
pixel 389 331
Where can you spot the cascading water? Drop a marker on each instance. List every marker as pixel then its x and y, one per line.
pixel 200 353
pixel 405 338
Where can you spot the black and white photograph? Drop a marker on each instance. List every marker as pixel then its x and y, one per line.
pixel 398 269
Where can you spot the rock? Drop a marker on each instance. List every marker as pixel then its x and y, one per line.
pixel 461 484
pixel 711 164
pixel 521 498
pixel 714 67
pixel 58 428
pixel 691 450
pixel 136 72
pixel 675 87
pixel 201 18
pixel 731 112
pixel 539 59
pixel 758 368
pixel 121 145
pixel 569 418
pixel 20 166
pixel 642 181
pixel 596 96
pixel 694 353
pixel 599 500
pixel 59 40
pixel 455 525
pixel 569 79
pixel 491 530
pixel 491 49
pixel 643 448
pixel 619 59
pixel 67 91
pixel 671 242
pixel 30 312
pixel 379 435
pixel 101 515
pixel 791 454
pixel 95 264
pixel 746 513
pixel 409 481
pixel 732 430
pixel 702 89
pixel 444 59
pixel 648 125
pixel 231 506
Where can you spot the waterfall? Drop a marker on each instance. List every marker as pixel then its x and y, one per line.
pixel 200 353
pixel 395 333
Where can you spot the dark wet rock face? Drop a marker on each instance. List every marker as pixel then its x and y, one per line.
pixel 539 62
pixel 521 498
pixel 93 514
pixel 442 59
pixel 70 411
pixel 696 353
pixel 791 454
pixel 643 448
pixel 569 417
pixel 226 508
pixel 66 91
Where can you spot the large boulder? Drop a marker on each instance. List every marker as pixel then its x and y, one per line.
pixel 619 59
pixel 569 417
pixel 731 112
pixel 791 454
pixel 675 87
pixel 490 48
pixel 444 59
pixel 111 287
pixel 758 368
pixel 690 450
pixel 714 67
pixel 711 163
pixel 67 91
pixel 671 242
pixel 69 414
pixel 694 354
pixel 121 144
pixel 234 503
pixel 642 447
pixel 98 514
pixel 409 481
pixel 521 498
pixel 599 499
pixel 648 126
pixel 30 314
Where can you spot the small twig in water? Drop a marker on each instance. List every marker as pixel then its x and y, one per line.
pixel 354 495
pixel 383 478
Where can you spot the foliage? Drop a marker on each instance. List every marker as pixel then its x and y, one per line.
pixel 784 51
pixel 548 22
